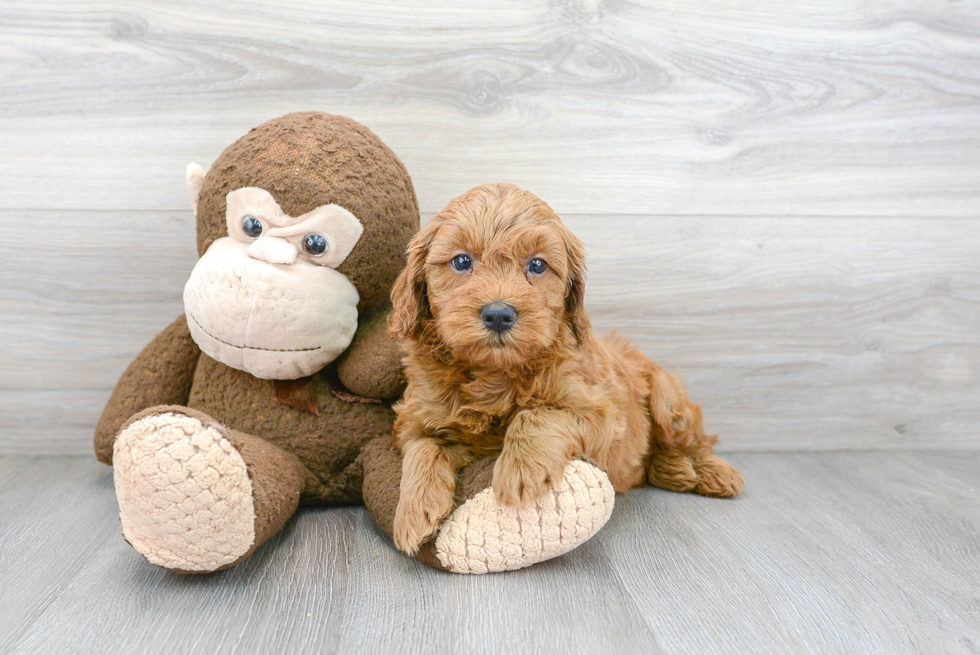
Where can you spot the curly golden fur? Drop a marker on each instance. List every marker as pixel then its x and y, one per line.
pixel 538 394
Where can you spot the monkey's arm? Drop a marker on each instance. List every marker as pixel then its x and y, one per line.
pixel 160 375
pixel 372 364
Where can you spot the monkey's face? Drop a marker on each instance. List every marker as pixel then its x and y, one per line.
pixel 266 299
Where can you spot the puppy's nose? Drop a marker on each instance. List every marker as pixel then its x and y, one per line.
pixel 498 316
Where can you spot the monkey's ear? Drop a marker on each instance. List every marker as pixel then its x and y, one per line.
pixel 409 296
pixel 195 180
pixel 575 312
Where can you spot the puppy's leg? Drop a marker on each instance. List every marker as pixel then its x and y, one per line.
pixel 536 449
pixel 682 457
pixel 426 493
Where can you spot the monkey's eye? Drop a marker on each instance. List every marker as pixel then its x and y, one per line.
pixel 314 244
pixel 537 266
pixel 461 263
pixel 252 227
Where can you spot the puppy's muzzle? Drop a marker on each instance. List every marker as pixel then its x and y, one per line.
pixel 498 317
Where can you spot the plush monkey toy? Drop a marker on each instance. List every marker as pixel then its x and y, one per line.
pixel 274 389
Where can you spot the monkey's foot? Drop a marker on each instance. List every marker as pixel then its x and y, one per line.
pixel 184 492
pixel 481 536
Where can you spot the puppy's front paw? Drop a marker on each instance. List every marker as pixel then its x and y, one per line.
pixel 417 519
pixel 519 481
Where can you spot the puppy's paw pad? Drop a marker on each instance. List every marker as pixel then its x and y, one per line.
pixel 485 536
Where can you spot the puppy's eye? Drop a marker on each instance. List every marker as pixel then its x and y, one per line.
pixel 314 244
pixel 537 266
pixel 461 263
pixel 252 227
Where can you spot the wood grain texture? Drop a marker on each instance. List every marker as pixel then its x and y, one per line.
pixel 844 108
pixel 75 314
pixel 792 333
pixel 781 201
pixel 803 334
pixel 826 552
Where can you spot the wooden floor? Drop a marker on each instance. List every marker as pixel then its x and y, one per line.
pixel 838 552
pixel 781 200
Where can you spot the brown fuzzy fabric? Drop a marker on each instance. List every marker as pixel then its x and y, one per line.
pixel 310 159
pixel 277 479
pixel 364 368
pixel 382 466
pixel 300 393
pixel 474 478
pixel 327 445
pixel 160 375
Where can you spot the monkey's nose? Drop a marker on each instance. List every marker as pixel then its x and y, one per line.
pixel 274 250
pixel 498 316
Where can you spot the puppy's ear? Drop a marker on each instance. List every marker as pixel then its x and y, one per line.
pixel 575 312
pixel 409 296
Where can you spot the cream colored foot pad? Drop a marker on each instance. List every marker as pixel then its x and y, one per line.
pixel 483 537
pixel 185 498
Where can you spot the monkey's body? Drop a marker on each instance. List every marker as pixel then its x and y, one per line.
pixel 332 470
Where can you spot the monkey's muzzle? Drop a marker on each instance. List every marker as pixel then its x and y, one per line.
pixel 274 321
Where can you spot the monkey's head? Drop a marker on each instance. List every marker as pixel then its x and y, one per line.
pixel 301 224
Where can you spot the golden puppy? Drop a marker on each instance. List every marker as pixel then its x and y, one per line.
pixel 501 359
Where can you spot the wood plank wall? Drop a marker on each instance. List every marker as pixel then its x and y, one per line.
pixel 781 200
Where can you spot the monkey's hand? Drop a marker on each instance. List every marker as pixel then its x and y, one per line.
pixel 371 366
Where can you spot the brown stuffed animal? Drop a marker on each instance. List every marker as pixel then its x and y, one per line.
pixel 273 390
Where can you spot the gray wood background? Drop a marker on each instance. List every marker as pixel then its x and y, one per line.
pixel 781 200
